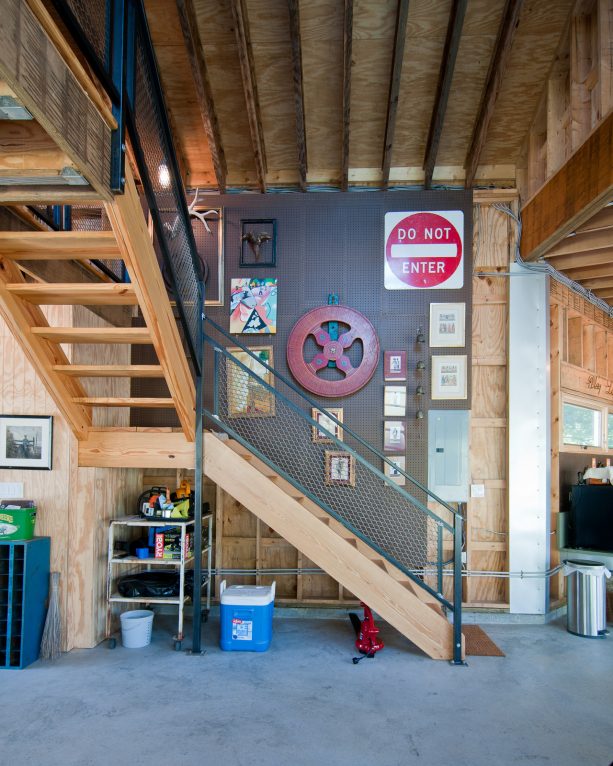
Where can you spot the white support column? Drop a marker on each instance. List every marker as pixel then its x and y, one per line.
pixel 529 440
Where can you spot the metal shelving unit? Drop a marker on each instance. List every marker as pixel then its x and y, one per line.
pixel 149 564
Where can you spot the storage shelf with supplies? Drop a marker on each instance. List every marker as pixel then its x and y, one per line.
pixel 184 558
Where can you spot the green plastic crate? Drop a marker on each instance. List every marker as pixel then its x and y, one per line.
pixel 17 523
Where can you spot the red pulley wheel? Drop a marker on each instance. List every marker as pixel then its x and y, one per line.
pixel 312 323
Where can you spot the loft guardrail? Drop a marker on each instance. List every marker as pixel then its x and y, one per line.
pixel 265 412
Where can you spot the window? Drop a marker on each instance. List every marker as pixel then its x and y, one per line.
pixel 582 426
pixel 610 430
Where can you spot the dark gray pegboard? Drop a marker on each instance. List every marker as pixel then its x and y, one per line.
pixel 333 242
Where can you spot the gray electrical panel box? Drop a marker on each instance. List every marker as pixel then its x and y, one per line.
pixel 448 454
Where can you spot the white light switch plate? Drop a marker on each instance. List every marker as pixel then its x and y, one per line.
pixel 11 489
pixel 477 490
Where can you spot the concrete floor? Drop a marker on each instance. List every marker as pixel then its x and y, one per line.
pixel 303 702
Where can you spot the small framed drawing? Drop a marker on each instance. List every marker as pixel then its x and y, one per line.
pixel 394 365
pixel 449 377
pixel 447 322
pixel 339 469
pixel 319 437
pixel 393 472
pixel 394 439
pixel 246 397
pixel 26 441
pixel 258 242
pixel 395 401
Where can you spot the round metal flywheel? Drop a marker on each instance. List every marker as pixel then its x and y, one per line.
pixel 332 351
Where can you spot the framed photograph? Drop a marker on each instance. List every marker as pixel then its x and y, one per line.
pixel 449 377
pixel 447 321
pixel 26 442
pixel 394 365
pixel 395 401
pixel 246 397
pixel 258 242
pixel 393 472
pixel 253 306
pixel 339 469
pixel 394 438
pixel 319 437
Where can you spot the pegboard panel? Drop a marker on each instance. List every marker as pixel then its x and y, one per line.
pixel 334 243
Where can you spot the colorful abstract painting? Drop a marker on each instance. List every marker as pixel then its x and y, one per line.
pixel 253 306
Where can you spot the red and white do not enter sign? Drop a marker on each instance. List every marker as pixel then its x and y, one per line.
pixel 424 250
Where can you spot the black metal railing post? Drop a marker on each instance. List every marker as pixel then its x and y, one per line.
pixel 119 36
pixel 199 478
pixel 458 522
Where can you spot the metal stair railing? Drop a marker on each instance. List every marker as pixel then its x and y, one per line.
pixel 270 416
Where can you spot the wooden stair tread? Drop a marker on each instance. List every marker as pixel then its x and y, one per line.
pixel 124 401
pixel 58 245
pixel 84 294
pixel 132 335
pixel 110 370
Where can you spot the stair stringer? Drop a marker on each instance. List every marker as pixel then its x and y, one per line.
pixel 421 624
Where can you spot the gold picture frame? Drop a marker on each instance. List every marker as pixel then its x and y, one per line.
pixel 246 397
pixel 322 419
pixel 339 469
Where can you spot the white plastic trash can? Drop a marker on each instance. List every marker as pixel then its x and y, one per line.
pixel 136 627
pixel 586 609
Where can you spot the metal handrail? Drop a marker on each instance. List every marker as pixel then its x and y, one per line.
pixel 371 448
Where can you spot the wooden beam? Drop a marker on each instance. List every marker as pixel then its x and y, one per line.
pixel 131 335
pixel 195 53
pixel 136 449
pixel 110 370
pixel 347 47
pixel 58 245
pixel 400 34
pixel 603 282
pixel 495 77
pixel 590 241
pixel 605 57
pixel 21 317
pixel 602 220
pixel 580 260
pixel 126 401
pixel 590 272
pixel 582 186
pixel 66 52
pixel 126 216
pixel 294 29
pixel 48 194
pixel 580 66
pixel 26 150
pixel 452 44
pixel 84 294
pixel 250 89
pixel 339 557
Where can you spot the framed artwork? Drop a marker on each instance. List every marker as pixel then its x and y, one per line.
pixel 319 437
pixel 394 439
pixel 394 401
pixel 258 242
pixel 447 322
pixel 339 469
pixel 393 472
pixel 394 365
pixel 253 306
pixel 449 377
pixel 26 442
pixel 246 397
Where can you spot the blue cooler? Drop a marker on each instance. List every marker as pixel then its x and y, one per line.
pixel 246 617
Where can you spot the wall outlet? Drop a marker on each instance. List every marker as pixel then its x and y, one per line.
pixel 463 557
pixel 11 489
pixel 477 490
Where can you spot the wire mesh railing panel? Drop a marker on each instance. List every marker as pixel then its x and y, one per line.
pixel 94 20
pixel 329 469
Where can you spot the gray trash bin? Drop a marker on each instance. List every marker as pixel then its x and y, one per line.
pixel 586 611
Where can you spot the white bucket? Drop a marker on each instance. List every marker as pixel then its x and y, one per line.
pixel 136 628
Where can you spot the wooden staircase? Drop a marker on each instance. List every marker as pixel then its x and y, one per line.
pixel 21 301
pixel 333 547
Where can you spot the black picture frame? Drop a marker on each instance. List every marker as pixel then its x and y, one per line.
pixel 257 253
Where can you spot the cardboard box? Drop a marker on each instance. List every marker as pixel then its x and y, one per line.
pixel 168 544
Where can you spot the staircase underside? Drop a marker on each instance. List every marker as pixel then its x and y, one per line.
pixel 334 548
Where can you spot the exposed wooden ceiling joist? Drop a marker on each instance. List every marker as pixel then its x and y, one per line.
pixel 294 26
pixel 581 273
pixel 590 241
pixel 500 58
pixel 245 56
pixel 452 44
pixel 347 46
pixel 580 260
pixel 392 101
pixel 193 44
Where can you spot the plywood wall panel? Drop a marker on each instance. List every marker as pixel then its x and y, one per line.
pixel 489 392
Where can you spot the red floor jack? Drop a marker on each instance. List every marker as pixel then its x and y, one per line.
pixel 367 641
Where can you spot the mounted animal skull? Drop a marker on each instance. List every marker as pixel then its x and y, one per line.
pixel 255 241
